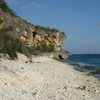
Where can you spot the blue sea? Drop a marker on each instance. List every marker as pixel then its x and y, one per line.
pixel 90 59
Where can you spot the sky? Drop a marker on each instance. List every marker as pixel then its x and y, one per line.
pixel 79 19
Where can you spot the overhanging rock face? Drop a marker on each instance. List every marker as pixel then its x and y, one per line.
pixel 29 34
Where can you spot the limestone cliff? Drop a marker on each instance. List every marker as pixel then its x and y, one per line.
pixel 31 35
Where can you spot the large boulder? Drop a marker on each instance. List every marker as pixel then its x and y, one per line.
pixel 60 55
pixel 22 57
pixel 4 56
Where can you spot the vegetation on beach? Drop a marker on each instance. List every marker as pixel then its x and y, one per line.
pixel 45 48
pixel 1 21
pixel 39 27
pixel 4 30
pixel 17 35
pixel 47 29
pixel 4 7
pixel 10 46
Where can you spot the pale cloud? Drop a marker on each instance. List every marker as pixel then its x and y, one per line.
pixel 36 5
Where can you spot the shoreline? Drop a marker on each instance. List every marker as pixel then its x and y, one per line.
pixel 86 68
pixel 45 79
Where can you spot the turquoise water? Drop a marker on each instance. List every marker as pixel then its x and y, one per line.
pixel 92 59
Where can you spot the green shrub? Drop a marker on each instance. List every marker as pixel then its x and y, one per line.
pixel 45 48
pixel 40 49
pixel 47 29
pixel 1 21
pixel 9 28
pixel 4 7
pixel 10 46
pixel 50 48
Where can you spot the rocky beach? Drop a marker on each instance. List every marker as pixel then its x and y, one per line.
pixel 32 55
pixel 45 79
